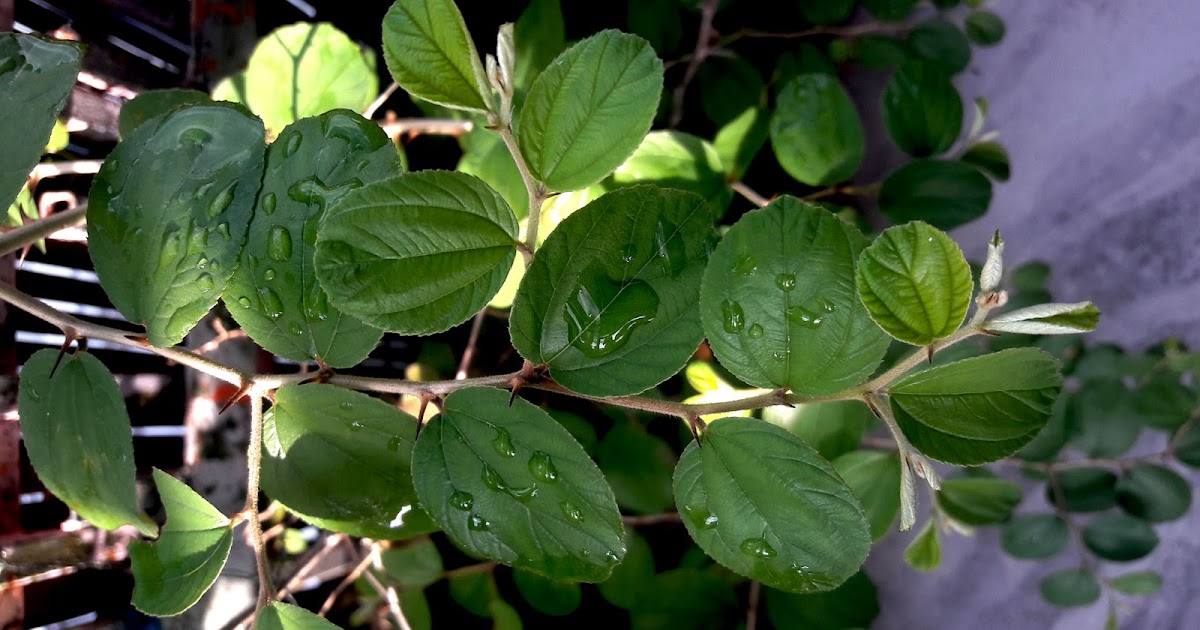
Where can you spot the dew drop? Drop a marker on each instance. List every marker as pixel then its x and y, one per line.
pixel 173 244
pixel 205 283
pixel 628 252
pixel 295 329
pixel 757 548
pixel 272 305
pixel 347 405
pixel 806 317
pixel 268 203
pixel 611 557
pixel 745 265
pixel 492 479
pixel 478 523
pixel 395 443
pixel 572 512
pixel 221 203
pixel 269 275
pixel 293 144
pixel 733 318
pixel 194 136
pixel 316 305
pixel 244 301
pixel 785 281
pixel 524 495
pixel 222 230
pixel 778 356
pixel 826 305
pixel 460 500
pixel 755 331
pixel 33 394
pixel 362 165
pixel 700 517
pixel 602 313
pixel 354 426
pixel 503 443
pixel 279 243
pixel 202 263
pixel 542 467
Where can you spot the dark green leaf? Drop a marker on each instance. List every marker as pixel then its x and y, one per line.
pixel 1154 493
pixel 274 294
pixel 633 576
pixel 778 301
pixel 875 478
pixel 172 573
pixel 431 55
pixel 979 501
pixel 36 77
pixel 1101 420
pixel 922 110
pixel 610 302
pixel 673 159
pixel 740 140
pixel 815 130
pixel 854 604
pixel 474 592
pixel 581 429
pixel 658 21
pixel 991 158
pixel 878 52
pixel 168 214
pixel 946 194
pixel 832 428
pixel 915 283
pixel 1164 403
pixel 510 484
pixel 151 103
pixel 281 616
pixel 504 617
pixel 924 553
pixel 1084 489
pixel 1070 587
pixel 588 111
pixel 486 157
pixel 804 59
pixel 418 253
pixel 946 4
pixel 638 467
pixel 539 38
pixel 1032 276
pixel 890 10
pixel 984 28
pixel 765 505
pixel 685 598
pixel 340 459
pixel 415 607
pixel 1119 537
pixel 826 12
pixel 1046 446
pixel 76 432
pixel 978 410
pixel 1185 445
pixel 940 43
pixel 547 596
pixel 414 566
pixel 1035 536
pixel 1138 583
pixel 729 86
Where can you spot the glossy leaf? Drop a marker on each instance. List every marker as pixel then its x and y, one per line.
pixel 1035 536
pixel 854 604
pixel 890 10
pixel 633 576
pixel 274 294
pixel 673 159
pixel 984 28
pixel 915 283
pixel 815 130
pixel 765 505
pixel 1138 583
pixel 610 302
pixel 281 616
pixel 980 409
pixel 431 55
pixel 77 434
pixel 1048 319
pixel 1119 538
pixel 539 37
pixel 924 553
pixel 638 466
pixel 991 158
pixel 1084 489
pixel 510 484
pixel 831 428
pixel 588 111
pixel 1154 493
pixel 151 103
pixel 778 301
pixel 946 194
pixel 171 574
pixel 875 478
pixel 740 140
pixel 340 459
pixel 1070 587
pixel 940 43
pixel 418 253
pixel 979 500
pixel 922 110
pixel 36 77
pixel 168 214
pixel 547 596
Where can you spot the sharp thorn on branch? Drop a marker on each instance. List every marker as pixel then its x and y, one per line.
pixel 696 424
pixel 69 336
pixel 238 395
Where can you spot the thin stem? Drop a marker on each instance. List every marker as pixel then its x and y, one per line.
pixel 752 605
pixel 35 231
pixel 427 127
pixel 749 193
pixel 378 102
pixel 350 578
pixel 919 356
pixel 471 569
pixel 704 47
pixel 389 595
pixel 853 30
pixel 537 193
pixel 472 340
pixel 651 519
pixel 254 464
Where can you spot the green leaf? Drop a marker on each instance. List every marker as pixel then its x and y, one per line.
pixel 232 88
pixel 474 592
pixel 946 194
pixel 1119 538
pixel 1164 403
pixel 504 617
pixel 1185 445
pixel 1047 444
pixel 1070 587
pixel 940 43
pixel 980 409
pixel 729 86
pixel 638 466
pixel 658 21
pixel 984 28
pixel 486 157
pixel 168 214
pixel 431 55
pixel 879 52
pixel 765 505
pixel 827 12
pixel 922 110
pixel 739 141
pixel 303 69
pixel 539 37
pixel 1154 493
pixel 1138 583
pixel 832 428
pixel 979 501
pixel 547 596
pixel 1084 489
pixel 1035 536
pixel 340 459
pixel 588 111
pixel 510 484
pixel 173 573
pixel 875 478
pixel 673 159
pixel 151 103
pixel 281 616
pixel 890 10
pixel 610 302
pixel 59 138
pixel 924 553
pixel 915 283
pixel 1101 420
pixel 1048 319
pixel 990 158
pixel 815 130
pixel 414 566
pixel 685 598
pixel 274 293
pixel 418 253
pixel 633 576
pixel 778 301
pixel 854 604
pixel 76 432
pixel 36 77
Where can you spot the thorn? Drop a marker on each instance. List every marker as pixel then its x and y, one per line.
pixel 425 398
pixel 872 407
pixel 324 373
pixel 781 398
pixel 929 354
pixel 141 340
pixel 517 383
pixel 238 395
pixel 24 253
pixel 697 426
pixel 69 336
pixel 989 333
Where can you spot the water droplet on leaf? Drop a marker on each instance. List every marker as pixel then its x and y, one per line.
pixel 461 500
pixel 221 203
pixel 271 304
pixel 268 203
pixel 757 548
pixel 755 331
pixel 503 443
pixel 733 318
pixel 785 281
pixel 279 243
pixel 542 467
pixel 478 523
pixel 572 512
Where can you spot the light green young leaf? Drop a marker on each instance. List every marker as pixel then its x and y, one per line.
pixel 778 301
pixel 36 76
pixel 171 574
pixel 980 409
pixel 168 214
pixel 151 103
pixel 431 55
pixel 765 505
pixel 588 111
pixel 418 253
pixel 946 194
pixel 1070 587
pixel 340 459
pixel 1138 583
pixel 831 428
pixel 922 110
pixel 76 432
pixel 281 616
pixel 1035 536
pixel 673 159
pixel 924 553
pixel 486 157
pixel 540 36
pixel 1154 493
pixel 739 140
pixel 1048 319
pixel 875 478
pixel 274 294
pixel 509 483
pixel 610 302
pixel 993 266
pixel 915 283
pixel 979 500
pixel 991 159
pixel 854 604
pixel 815 130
